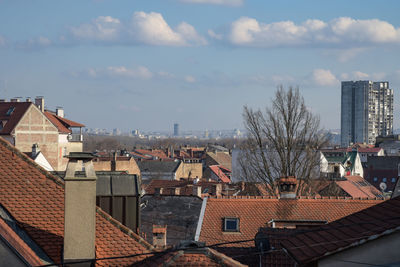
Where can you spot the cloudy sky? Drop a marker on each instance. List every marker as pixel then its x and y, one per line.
pixel 133 64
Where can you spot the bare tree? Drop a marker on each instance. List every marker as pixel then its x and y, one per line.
pixel 282 141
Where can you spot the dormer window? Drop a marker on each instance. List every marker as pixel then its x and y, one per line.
pixel 231 224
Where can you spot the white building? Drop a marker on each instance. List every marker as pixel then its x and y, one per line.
pixel 367 111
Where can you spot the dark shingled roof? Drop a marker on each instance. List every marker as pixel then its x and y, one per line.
pixel 8 122
pixel 158 166
pixel 350 231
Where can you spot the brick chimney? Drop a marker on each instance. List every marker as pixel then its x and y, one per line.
pixel 80 209
pixel 218 189
pixel 35 150
pixel 177 191
pixel 39 102
pixel 159 236
pixel 287 187
pixel 197 190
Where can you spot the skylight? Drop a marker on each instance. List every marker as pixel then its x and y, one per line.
pixel 10 111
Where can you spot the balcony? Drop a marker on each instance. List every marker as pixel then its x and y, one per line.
pixel 75 137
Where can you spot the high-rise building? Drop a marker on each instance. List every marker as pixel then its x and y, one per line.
pixel 367 111
pixel 176 129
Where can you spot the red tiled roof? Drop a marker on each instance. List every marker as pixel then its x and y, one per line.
pixel 191 258
pixel 35 199
pixel 186 187
pixel 154 153
pixel 219 171
pixel 361 187
pixel 53 118
pixel 8 234
pixel 11 121
pixel 62 124
pixel 255 212
pixel 350 231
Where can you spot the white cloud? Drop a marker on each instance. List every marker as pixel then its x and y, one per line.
pixel 358 75
pixel 215 2
pixel 35 43
pixel 214 35
pixel 104 28
pixel 139 72
pixel 142 28
pixel 190 79
pixel 323 77
pixel 341 32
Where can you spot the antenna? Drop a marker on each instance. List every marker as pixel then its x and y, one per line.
pixel 383 186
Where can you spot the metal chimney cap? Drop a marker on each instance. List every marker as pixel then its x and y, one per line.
pixel 81 155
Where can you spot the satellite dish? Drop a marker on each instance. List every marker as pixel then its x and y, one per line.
pixel 383 186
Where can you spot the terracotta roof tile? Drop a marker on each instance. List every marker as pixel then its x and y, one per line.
pixel 53 118
pixel 220 172
pixel 191 258
pixel 12 238
pixel 256 212
pixel 35 199
pixel 350 231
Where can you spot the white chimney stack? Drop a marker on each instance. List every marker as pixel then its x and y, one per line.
pixel 39 102
pixel 60 112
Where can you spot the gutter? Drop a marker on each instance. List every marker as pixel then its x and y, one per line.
pixel 200 222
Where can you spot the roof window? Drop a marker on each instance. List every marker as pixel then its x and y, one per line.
pixel 10 111
pixel 231 224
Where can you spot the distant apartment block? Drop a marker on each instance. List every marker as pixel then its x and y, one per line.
pixel 176 129
pixel 367 111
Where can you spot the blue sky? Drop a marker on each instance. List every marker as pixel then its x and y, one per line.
pixel 147 64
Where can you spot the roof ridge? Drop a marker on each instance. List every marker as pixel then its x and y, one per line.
pixel 124 229
pixel 28 160
pixel 298 197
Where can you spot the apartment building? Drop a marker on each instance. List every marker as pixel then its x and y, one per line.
pixel 367 111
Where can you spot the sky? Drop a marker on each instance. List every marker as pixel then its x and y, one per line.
pixel 146 65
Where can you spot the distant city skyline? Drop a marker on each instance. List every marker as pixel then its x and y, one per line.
pixel 150 64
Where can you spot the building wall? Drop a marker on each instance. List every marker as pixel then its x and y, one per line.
pixel 130 166
pixel 192 170
pixel 33 128
pixel 378 252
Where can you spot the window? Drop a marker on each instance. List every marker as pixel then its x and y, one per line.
pixel 384 180
pixel 231 224
pixel 393 180
pixel 375 179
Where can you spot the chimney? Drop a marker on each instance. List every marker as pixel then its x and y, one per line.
pixel 159 236
pixel 80 209
pixel 15 99
pixel 28 99
pixel 114 161
pixel 39 102
pixel 218 189
pixel 242 185
pixel 177 191
pixel 158 191
pixel 2 100
pixel 35 150
pixel 287 187
pixel 60 112
pixel 197 190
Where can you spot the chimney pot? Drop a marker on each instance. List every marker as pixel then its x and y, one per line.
pixel 287 187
